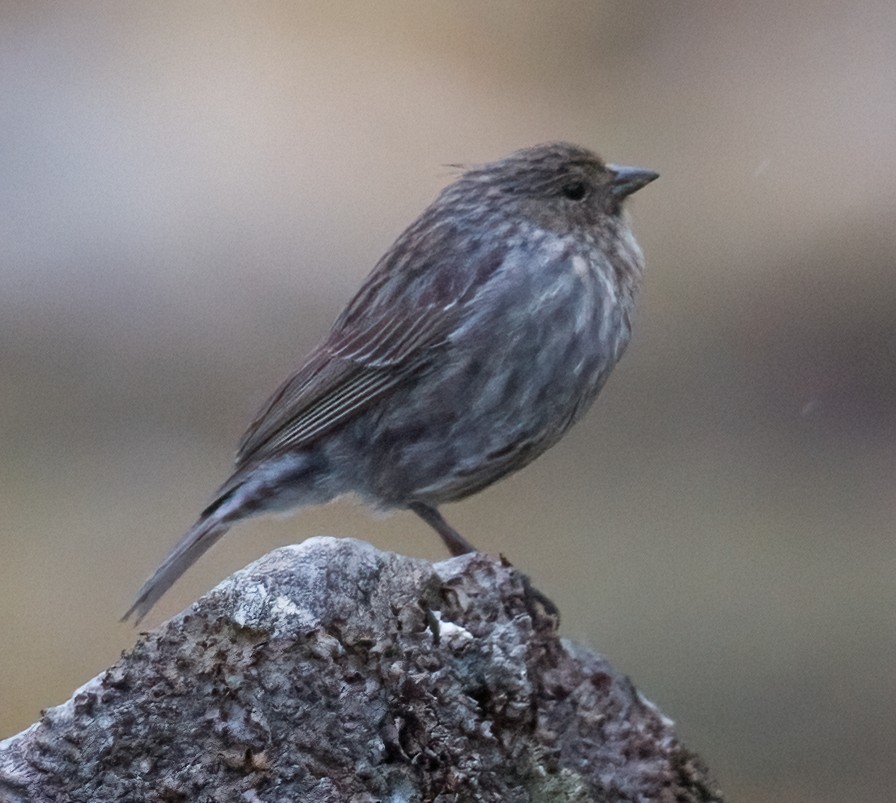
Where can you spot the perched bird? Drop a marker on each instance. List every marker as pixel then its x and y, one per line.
pixel 480 337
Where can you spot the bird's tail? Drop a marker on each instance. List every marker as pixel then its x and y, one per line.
pixel 201 537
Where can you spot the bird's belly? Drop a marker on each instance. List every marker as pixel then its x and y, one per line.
pixel 490 404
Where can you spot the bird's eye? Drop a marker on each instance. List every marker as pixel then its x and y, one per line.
pixel 574 190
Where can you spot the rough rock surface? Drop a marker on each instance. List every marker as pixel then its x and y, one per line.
pixel 331 671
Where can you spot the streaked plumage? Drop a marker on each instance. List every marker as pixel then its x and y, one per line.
pixel 478 339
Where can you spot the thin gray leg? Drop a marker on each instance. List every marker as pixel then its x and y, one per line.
pixel 456 543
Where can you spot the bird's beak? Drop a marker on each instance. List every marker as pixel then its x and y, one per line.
pixel 627 180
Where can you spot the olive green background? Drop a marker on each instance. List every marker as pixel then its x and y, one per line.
pixel 189 192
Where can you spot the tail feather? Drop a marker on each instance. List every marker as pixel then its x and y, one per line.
pixel 201 537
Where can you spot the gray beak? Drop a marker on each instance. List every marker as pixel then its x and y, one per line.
pixel 627 180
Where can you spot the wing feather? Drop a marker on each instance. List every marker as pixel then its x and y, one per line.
pixel 400 316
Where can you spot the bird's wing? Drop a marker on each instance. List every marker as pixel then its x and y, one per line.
pixel 393 325
pixel 339 380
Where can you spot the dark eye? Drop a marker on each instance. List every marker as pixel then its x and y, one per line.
pixel 574 190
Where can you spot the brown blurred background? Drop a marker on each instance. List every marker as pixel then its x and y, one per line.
pixel 190 192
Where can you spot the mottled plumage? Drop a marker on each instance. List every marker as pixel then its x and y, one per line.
pixel 480 337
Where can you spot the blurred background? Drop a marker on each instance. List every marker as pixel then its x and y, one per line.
pixel 189 193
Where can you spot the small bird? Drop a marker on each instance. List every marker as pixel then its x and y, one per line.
pixel 482 335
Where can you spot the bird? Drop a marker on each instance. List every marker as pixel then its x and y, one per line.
pixel 478 339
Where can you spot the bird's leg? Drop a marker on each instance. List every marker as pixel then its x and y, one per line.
pixel 456 543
